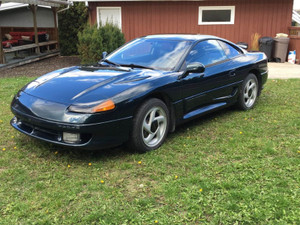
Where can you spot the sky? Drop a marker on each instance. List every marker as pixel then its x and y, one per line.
pixel 296 4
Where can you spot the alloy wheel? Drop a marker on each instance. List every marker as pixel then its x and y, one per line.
pixel 154 126
pixel 250 93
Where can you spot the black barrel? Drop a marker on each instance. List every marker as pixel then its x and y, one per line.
pixel 266 46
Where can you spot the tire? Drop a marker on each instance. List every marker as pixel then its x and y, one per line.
pixel 248 93
pixel 150 126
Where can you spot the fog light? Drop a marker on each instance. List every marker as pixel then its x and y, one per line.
pixel 15 120
pixel 71 137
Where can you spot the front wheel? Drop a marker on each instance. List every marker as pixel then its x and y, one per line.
pixel 150 126
pixel 248 93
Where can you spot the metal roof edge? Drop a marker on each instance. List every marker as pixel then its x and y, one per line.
pixel 3 7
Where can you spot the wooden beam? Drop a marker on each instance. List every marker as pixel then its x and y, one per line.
pixel 1 47
pixel 36 38
pixel 54 10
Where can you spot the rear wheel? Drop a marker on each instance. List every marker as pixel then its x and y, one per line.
pixel 248 93
pixel 150 126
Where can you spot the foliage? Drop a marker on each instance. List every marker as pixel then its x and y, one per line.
pixel 93 41
pixel 90 44
pixel 69 23
pixel 112 36
pixel 255 42
pixel 230 167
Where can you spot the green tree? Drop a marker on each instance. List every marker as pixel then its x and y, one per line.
pixel 69 23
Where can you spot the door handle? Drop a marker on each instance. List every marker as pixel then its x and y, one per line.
pixel 201 75
pixel 232 73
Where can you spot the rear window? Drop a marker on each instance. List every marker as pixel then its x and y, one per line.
pixel 229 50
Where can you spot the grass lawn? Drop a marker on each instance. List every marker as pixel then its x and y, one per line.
pixel 231 167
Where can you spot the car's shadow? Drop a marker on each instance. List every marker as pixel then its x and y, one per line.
pixel 83 155
pixel 120 151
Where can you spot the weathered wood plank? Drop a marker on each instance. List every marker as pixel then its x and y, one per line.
pixel 19 48
pixel 29 46
pixel 47 43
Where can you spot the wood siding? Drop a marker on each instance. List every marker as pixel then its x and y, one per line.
pixel 265 17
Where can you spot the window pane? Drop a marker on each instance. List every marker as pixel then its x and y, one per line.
pixel 110 15
pixel 216 15
pixel 206 52
pixel 137 51
pixel 229 50
pixel 156 53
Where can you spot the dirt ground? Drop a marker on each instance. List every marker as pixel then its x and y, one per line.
pixel 41 67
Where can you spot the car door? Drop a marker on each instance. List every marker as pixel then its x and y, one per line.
pixel 212 86
pixel 237 61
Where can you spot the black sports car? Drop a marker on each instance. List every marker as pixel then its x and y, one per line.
pixel 140 92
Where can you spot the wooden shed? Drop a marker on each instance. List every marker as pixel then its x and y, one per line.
pixel 28 25
pixel 235 20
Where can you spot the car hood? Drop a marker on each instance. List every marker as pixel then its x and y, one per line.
pixel 86 84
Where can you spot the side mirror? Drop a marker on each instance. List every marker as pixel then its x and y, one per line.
pixel 195 67
pixel 104 54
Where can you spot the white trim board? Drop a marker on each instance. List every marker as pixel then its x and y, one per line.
pixel 108 8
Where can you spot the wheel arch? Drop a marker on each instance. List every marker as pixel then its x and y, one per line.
pixel 166 99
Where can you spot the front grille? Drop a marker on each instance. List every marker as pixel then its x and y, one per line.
pixel 40 132
pixel 47 134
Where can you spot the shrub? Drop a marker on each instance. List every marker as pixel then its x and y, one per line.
pixel 255 42
pixel 89 44
pixel 113 38
pixel 69 23
pixel 92 41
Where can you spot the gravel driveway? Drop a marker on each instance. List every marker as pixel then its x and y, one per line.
pixel 41 67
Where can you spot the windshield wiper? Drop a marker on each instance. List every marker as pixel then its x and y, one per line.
pixel 109 62
pixel 136 66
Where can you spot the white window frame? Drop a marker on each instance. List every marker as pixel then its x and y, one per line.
pixel 109 7
pixel 232 16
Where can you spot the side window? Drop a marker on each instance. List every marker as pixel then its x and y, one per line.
pixel 206 52
pixel 230 51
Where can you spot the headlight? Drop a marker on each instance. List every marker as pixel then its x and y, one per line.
pixel 93 107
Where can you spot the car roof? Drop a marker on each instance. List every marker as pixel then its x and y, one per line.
pixel 181 37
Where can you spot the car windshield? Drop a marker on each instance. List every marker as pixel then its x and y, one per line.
pixel 159 54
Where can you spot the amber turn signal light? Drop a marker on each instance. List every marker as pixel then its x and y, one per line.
pixel 104 106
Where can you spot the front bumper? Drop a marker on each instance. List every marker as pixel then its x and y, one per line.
pixel 264 77
pixel 93 136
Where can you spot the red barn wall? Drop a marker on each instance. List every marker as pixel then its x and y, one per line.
pixel 139 18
